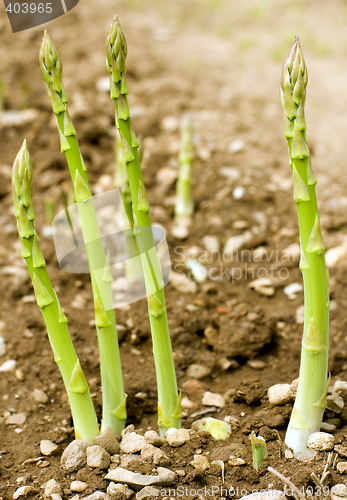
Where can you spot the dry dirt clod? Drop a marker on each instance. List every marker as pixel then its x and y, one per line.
pixel 119 491
pixel 78 486
pixel 341 467
pixel 48 448
pixel 177 437
pixel 321 441
pixel 132 443
pixel 97 457
pixel 213 399
pixel 22 492
pixel 236 461
pixel 108 441
pixel 75 455
pixel 97 495
pixel 187 404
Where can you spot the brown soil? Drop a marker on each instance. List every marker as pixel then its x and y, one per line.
pixel 220 61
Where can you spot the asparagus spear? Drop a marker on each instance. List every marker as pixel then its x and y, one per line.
pixel 312 390
pixel 83 414
pixel 114 412
pixel 169 407
pixel 184 201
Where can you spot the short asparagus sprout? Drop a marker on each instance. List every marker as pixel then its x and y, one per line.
pixel 83 414
pixel 114 398
pixel 258 450
pixel 184 208
pixel 310 401
pixel 169 405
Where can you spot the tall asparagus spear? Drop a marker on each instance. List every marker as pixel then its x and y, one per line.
pixel 83 414
pixel 184 201
pixel 312 390
pixel 114 412
pixel 169 407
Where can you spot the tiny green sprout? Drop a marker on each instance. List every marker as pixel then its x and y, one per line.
pixel 218 429
pixel 258 450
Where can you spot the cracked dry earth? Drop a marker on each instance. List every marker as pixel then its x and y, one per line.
pixel 220 61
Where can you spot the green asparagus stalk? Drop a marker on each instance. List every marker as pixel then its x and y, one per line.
pixel 83 414
pixel 258 450
pixel 114 412
pixel 169 407
pixel 310 401
pixel 184 208
pixel 121 181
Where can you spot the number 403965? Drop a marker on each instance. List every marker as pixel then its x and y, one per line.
pixel 29 8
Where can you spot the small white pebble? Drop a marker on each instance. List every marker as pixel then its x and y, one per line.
pixel 78 486
pixel 239 192
pixel 40 396
pixel 22 492
pixel 8 366
pixel 236 146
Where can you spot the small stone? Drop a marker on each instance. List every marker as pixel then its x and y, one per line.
pixel 235 243
pixel 300 315
pixel 256 364
pixel 98 457
pixel 340 386
pixel 152 437
pixel 75 455
pixel 213 399
pixel 108 441
pixel 52 486
pixel 183 284
pixel 177 437
pixel 326 427
pixel 239 192
pixel 138 481
pixel 338 491
pixel 15 118
pixel 200 463
pixel 292 290
pixel 236 146
pixel 8 366
pixel 3 349
pixel 167 175
pixel 16 419
pixel 230 173
pixel 131 427
pixel 19 374
pixel 211 335
pixel 97 495
pixel 148 450
pixel 48 448
pixel 198 372
pixel 78 486
pixel 40 396
pixel 187 404
pixel 321 441
pixel 263 286
pixel 132 443
pixel 278 394
pixel 160 458
pixel 293 389
pixel 335 403
pixel 341 467
pixel 147 493
pixel 193 387
pixel 236 461
pixel 22 492
pixel 180 231
pixel 211 243
pixel 288 454
pixel 119 491
pixel 131 459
